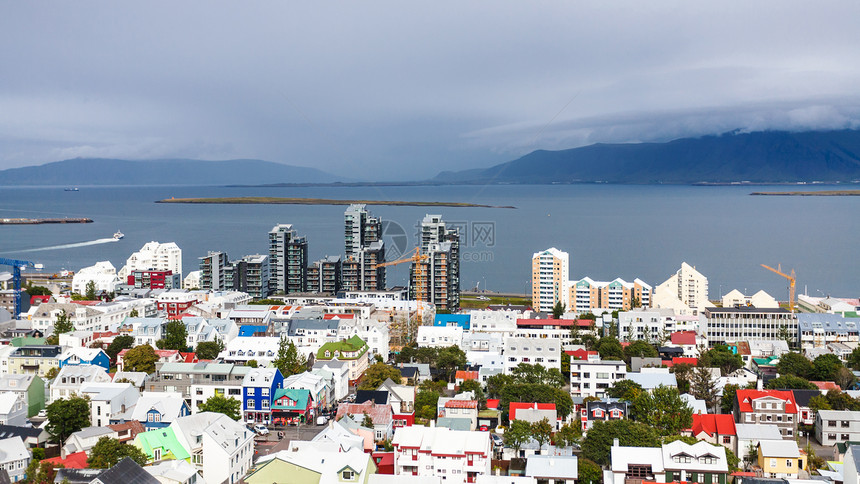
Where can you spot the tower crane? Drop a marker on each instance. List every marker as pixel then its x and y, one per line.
pixel 16 279
pixel 792 281
pixel 416 258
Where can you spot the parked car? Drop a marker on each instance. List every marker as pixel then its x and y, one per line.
pixel 42 413
pixel 497 440
pixel 322 419
pixel 261 429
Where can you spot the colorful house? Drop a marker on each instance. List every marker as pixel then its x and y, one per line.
pixel 30 386
pixel 780 459
pixel 157 410
pixel 84 356
pixel 258 388
pixel 291 406
pixel 354 351
pixel 461 320
pixel 714 429
pixel 161 444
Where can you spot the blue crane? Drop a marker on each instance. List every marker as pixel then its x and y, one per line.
pixel 16 279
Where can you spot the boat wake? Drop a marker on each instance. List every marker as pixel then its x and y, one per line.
pixel 66 246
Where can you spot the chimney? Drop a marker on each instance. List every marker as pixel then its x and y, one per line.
pixel 615 443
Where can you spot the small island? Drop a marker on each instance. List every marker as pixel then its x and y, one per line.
pixel 323 201
pixel 822 193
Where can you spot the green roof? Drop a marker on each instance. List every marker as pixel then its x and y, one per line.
pixel 164 439
pixel 765 361
pixel 27 341
pixel 299 395
pixel 352 345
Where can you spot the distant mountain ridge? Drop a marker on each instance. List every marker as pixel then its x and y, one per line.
pixel 105 171
pixel 758 157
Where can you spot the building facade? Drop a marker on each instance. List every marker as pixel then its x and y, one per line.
pixel 288 260
pixel 550 274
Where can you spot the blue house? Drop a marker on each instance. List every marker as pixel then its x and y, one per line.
pixel 258 390
pixel 462 320
pixel 249 330
pixel 156 410
pixel 84 356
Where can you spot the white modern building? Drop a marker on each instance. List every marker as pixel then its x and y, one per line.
pixel 686 291
pixel 439 336
pixel 541 351
pixel 110 402
pixel 221 448
pixel 154 256
pixel 102 274
pixel 550 275
pixel 592 378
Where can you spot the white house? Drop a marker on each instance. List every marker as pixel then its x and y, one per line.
pixel 70 378
pixel 13 409
pixel 219 446
pixel 542 351
pixel 456 455
pixel 337 372
pixel 154 256
pixel 102 275
pixel 109 402
pixel 85 439
pixel 158 409
pixel 439 336
pixel 263 349
pixel 14 458
pixel 645 463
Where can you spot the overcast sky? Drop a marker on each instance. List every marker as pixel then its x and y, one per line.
pixel 402 90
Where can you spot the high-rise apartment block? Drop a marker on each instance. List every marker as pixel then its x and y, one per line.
pixel 436 278
pixel 587 295
pixel 550 273
pixel 364 251
pixel 249 274
pixel 324 275
pixel 686 290
pixel 288 260
pixel 212 271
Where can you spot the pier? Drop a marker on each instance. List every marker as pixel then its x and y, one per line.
pixel 36 221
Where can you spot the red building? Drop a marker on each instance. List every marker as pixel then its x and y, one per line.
pixel 154 280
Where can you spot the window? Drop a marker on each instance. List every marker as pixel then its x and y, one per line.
pixel 773 462
pixel 347 475
pixel 788 463
pixel 265 404
pixel 265 392
pixel 727 440
pixel 250 391
pixel 249 404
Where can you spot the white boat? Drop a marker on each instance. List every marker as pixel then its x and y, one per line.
pixel 118 235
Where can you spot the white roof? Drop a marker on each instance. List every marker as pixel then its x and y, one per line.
pixel 174 470
pixel 13 449
pixel 552 466
pixel 839 415
pixel 8 400
pixel 259 377
pixel 439 440
pixel 757 432
pixel 86 354
pixel 322 458
pixel 89 372
pixel 695 451
pixel 779 448
pixel 649 381
pixel 622 456
pixel 167 404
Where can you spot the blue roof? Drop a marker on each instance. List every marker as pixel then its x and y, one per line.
pixel 462 320
pixel 249 329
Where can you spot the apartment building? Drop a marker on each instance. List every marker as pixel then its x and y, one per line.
pixel 364 250
pixel 436 278
pixel 834 426
pixel 288 260
pixel 250 275
pixel 592 378
pixel 455 455
pixel 212 268
pixel 533 351
pixel 587 295
pixel 728 325
pixel 324 275
pixel 817 330
pixel 550 275
pixel 154 256
pixel 686 291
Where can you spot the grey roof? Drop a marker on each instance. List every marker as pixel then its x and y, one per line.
pixel 826 322
pixel 127 471
pixel 454 423
pixel 839 415
pixel 92 432
pixel 855 452
pixel 650 381
pixel 313 325
pixel 76 476
pixel 4 477
pixel 757 431
pixel 550 466
pixel 779 448
pixel 13 449
pixel 25 433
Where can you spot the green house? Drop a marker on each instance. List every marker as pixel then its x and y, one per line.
pixel 161 444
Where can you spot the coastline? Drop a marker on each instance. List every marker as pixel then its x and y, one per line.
pixel 823 193
pixel 323 201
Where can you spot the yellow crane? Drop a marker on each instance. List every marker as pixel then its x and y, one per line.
pixel 792 281
pixel 398 339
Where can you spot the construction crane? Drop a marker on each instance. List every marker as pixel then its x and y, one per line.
pixel 792 281
pixel 16 279
pixel 420 275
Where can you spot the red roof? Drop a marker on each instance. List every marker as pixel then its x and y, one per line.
pixel 711 424
pixel 746 397
pixel 466 375
pixel 189 357
pixel 826 385
pixel 78 460
pixel 684 338
pixel 582 323
pixel 339 316
pixel 41 299
pixel 678 360
pixel 179 316
pixel 528 405
pixel 492 403
pixel 104 334
pixel 581 354
pixel 461 404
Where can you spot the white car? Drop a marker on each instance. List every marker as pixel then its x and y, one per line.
pixel 261 429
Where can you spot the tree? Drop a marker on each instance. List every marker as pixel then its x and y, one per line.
pixel 536 392
pixel 664 410
pixel 133 313
pixel 609 348
pixel 108 452
pixel 251 363
pixel 67 416
pixel 517 434
pixel 639 349
pixel 40 472
pixel 784 334
pixel 720 356
pixel 558 310
pixel 542 432
pixel 839 400
pixel 790 382
pixel 288 361
pixel 794 364
pixel 588 471
pixel 426 402
pixel 497 383
pixel 567 435
pixel 704 387
pixel 450 359
pixel 624 390
pixel 118 344
pixel 378 373
pixel 367 421
pixel 844 378
pixel 825 367
pixel 526 373
pixel 63 324
pixel 727 401
pixel 140 358
pixel 52 373
pixel 598 442
pixel 475 387
pixel 209 350
pixel 565 362
pixel 819 402
pixel 683 374
pixel 91 291
pixel 175 337
pixel 38 291
pixel 221 404
pixel 854 359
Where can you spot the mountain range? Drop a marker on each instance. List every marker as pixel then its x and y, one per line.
pixel 757 157
pixel 104 171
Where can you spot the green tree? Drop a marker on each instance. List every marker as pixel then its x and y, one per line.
pixel 639 349
pixel 683 375
pixel 727 401
pixel 565 363
pixel 475 386
pixel 39 291
pixel 517 434
pixel 704 387
pixel 598 441
pixel 450 359
pixel 610 349
pixel 175 337
pixel 854 359
pixel 108 452
pixel 378 373
pixel 63 324
pixel 91 291
pixel 526 373
pixel 367 421
pixel 221 404
pixel 209 350
pixel 40 473
pixel 67 416
pixel 664 410
pixel 784 334
pixel 588 471
pixel 794 364
pixel 825 367
pixel 426 402
pixel 567 435
pixel 839 400
pixel 140 358
pixel 720 356
pixel 52 373
pixel 819 402
pixel 251 363
pixel 133 313
pixel 844 378
pixel 542 432
pixel 118 344
pixel 558 310
pixel 288 360
pixel 790 382
pixel 624 390
pixel 497 383
pixel 536 392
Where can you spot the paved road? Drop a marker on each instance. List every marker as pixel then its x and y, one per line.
pixel 268 444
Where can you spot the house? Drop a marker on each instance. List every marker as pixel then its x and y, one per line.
pixel 32 436
pixel 767 407
pixel 417 372
pixel 851 464
pixel 805 415
pixel 749 436
pixel 126 432
pixel 258 387
pixel 124 472
pixel 439 336
pixel 353 351
pixel 13 409
pixel 380 414
pixel 700 462
pixel 312 462
pixel 322 395
pixel 525 349
pixel 174 472
pixel 402 401
pixel 220 448
pixel 832 426
pixel 156 410
pixel 292 406
pixel 551 468
pixel 533 412
pixel 688 341
pixel 714 429
pixel 70 378
pixel 343 437
pixel 460 407
pixel 695 404
pixel 384 462
pixel 462 375
pixel 651 378
pixel 461 320
pixel 640 463
pixel 458 456
pixel 84 356
pixel 109 402
pixel 263 350
pixel 85 439
pixel 593 378
pixel 14 458
pixel 337 373
pixel 78 460
pixel 34 360
pixel 780 459
pixel 602 410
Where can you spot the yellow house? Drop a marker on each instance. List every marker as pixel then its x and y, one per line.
pixel 780 459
